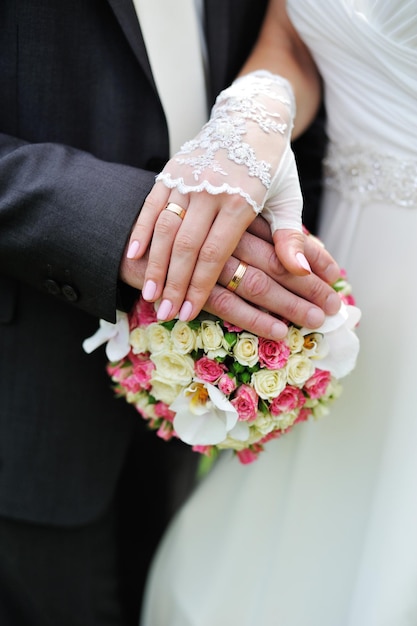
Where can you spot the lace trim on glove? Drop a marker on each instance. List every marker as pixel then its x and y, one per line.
pixel 179 184
pixel 239 110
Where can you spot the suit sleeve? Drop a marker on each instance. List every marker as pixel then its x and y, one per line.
pixel 65 217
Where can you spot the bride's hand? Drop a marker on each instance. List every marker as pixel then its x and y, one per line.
pixel 205 216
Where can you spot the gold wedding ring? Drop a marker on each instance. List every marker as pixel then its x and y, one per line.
pixel 237 276
pixel 176 208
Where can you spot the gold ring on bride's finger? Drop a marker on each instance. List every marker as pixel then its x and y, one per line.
pixel 176 208
pixel 237 276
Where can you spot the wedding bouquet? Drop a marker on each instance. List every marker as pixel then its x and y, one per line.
pixel 216 386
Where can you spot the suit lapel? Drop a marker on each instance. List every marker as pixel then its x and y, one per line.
pixel 126 16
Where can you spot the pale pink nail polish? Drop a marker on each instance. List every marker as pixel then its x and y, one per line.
pixel 185 311
pixel 133 249
pixel 149 290
pixel 164 310
pixel 302 261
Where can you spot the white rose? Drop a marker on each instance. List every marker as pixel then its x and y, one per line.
pixel 295 340
pixel 165 391
pixel 138 340
pixel 142 404
pixel 264 424
pixel 159 338
pixel 184 338
pixel 173 368
pixel 210 336
pixel 299 369
pixel 268 384
pixel 246 349
pixel 285 420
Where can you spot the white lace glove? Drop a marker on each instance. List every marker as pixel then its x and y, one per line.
pixel 231 155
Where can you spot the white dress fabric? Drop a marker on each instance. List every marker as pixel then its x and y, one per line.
pixel 321 530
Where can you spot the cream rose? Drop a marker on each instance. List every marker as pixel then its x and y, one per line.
pixel 138 340
pixel 269 383
pixel 165 391
pixel 211 336
pixel 184 338
pixel 295 340
pixel 172 368
pixel 159 338
pixel 299 369
pixel 246 349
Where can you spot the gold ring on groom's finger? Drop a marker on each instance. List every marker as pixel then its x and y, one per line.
pixel 176 208
pixel 237 276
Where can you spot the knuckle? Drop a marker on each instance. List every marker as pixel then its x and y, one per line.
pixel 256 283
pixel 184 243
pixel 210 252
pixel 164 225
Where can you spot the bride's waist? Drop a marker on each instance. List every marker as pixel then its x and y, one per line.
pixel 367 174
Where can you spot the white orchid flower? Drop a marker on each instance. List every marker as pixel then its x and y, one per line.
pixel 115 335
pixel 342 341
pixel 204 416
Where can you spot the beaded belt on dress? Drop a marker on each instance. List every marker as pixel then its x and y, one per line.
pixel 357 171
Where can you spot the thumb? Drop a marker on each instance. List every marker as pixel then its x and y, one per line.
pixel 289 248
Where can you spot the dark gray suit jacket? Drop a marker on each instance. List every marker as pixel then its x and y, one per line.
pixel 82 133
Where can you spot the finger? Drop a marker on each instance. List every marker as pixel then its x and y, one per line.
pixel 289 247
pixel 321 261
pixel 142 231
pixel 226 231
pixel 260 289
pixel 230 307
pixel 189 240
pixel 313 287
pixel 165 230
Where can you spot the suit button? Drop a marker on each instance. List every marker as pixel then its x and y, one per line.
pixel 69 293
pixel 52 287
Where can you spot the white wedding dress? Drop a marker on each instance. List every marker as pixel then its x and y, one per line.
pixel 322 529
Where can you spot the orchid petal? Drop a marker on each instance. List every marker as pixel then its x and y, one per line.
pixel 204 427
pixel 115 335
pixel 343 352
pixel 240 431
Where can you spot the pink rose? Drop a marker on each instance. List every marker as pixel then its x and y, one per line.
pixel 273 354
pixel 289 399
pixel 208 370
pixel 303 415
pixel 162 410
pixel 202 449
pixel 118 372
pixel 317 384
pixel 142 314
pixel 227 384
pixel 231 328
pixel 274 434
pixel 248 455
pixel 140 377
pixel 165 431
pixel 246 403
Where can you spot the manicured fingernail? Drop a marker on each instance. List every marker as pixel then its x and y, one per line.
pixel 332 303
pixel 164 310
pixel 185 311
pixel 133 249
pixel 279 331
pixel 302 261
pixel 315 318
pixel 149 290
